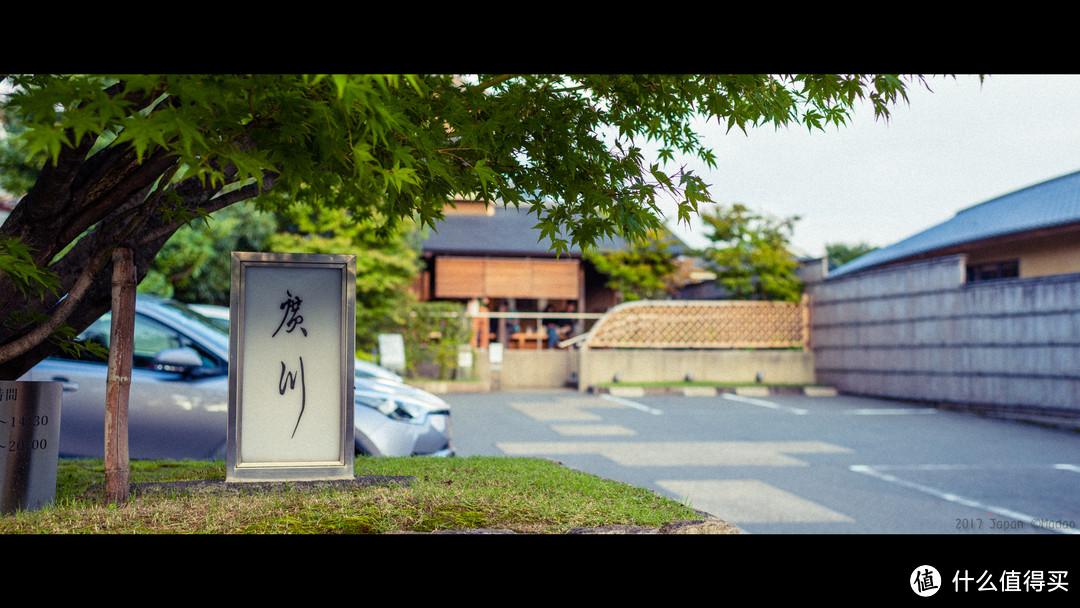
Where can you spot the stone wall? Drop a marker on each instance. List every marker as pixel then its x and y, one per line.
pixel 560 368
pixel 599 366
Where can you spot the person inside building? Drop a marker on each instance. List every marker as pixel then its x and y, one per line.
pixel 553 327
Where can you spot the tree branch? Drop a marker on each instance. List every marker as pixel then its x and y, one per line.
pixel 491 82
pixel 60 312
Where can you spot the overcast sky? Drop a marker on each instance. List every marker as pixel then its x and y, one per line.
pixel 878 182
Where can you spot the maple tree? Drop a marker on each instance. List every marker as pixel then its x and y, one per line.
pixel 124 161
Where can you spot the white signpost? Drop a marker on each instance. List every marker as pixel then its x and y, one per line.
pixel 291 349
pixel 392 352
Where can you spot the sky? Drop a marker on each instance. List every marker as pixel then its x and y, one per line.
pixel 880 182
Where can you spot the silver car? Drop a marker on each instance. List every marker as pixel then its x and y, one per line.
pixel 178 406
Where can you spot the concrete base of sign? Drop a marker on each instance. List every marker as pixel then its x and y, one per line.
pixel 226 487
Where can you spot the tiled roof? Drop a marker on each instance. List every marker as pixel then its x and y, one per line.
pixel 507 231
pixel 1052 203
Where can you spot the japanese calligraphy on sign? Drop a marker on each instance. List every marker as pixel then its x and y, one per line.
pixel 292 318
pixel 287 381
pixel 291 374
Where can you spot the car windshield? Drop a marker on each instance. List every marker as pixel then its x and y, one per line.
pixel 154 333
pixel 219 325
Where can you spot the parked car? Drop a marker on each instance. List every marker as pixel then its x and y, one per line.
pixel 219 315
pixel 178 404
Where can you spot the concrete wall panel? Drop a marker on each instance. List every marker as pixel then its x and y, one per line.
pixel 917 331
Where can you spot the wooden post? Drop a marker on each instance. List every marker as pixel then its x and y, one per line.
pixel 579 324
pixel 118 384
pixel 807 305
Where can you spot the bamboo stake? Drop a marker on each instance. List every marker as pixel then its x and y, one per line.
pixel 121 347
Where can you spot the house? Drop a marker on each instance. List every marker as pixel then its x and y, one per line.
pixel 979 312
pixel 493 257
pixel 1028 233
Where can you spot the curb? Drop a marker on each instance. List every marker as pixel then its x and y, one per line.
pixel 711 391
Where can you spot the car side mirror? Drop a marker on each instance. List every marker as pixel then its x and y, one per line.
pixel 177 360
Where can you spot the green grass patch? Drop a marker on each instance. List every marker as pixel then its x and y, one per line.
pixel 526 495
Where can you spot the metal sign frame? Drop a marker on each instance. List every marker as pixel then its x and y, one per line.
pixel 288 421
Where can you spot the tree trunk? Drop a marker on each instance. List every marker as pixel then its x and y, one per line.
pixel 121 347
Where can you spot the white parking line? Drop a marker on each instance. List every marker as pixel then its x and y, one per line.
pixel 956 498
pixel 763 403
pixel 900 411
pixel 750 501
pixel 592 429
pixel 681 453
pixel 633 404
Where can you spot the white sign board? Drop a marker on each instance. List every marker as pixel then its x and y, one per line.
pixel 392 352
pixel 292 337
pixel 495 355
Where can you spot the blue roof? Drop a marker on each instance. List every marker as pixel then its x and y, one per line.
pixel 1052 203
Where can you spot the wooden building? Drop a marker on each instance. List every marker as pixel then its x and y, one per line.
pixel 493 258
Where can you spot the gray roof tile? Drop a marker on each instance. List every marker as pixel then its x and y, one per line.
pixel 508 231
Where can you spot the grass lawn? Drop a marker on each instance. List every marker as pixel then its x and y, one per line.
pixel 525 495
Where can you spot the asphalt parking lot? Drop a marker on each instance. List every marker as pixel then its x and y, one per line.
pixel 797 464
